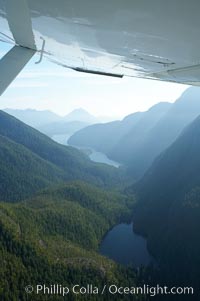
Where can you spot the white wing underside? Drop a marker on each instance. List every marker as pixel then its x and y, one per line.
pixel 138 38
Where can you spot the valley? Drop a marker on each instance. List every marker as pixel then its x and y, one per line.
pixel 121 207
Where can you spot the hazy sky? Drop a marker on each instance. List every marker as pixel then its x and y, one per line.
pixel 47 86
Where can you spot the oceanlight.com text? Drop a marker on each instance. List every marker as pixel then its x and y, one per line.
pixel 89 289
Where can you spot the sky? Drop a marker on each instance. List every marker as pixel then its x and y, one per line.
pixel 46 86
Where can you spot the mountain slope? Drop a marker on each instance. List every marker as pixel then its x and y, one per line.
pixel 166 130
pixel 66 158
pixel 129 146
pixel 168 209
pixel 25 149
pixel 22 172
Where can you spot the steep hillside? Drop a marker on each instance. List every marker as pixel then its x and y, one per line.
pixel 34 160
pixel 38 143
pixel 168 209
pixel 22 172
pixel 166 130
pixel 130 144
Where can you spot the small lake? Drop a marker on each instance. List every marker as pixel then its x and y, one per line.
pixel 122 245
pixel 102 158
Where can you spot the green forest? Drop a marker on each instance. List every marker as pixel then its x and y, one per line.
pixel 52 220
pixel 54 238
pixel 56 206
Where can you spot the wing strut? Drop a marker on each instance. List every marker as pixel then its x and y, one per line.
pixel 12 63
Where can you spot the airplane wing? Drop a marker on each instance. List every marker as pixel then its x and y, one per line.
pixel 154 39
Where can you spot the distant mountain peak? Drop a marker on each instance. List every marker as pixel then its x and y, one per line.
pixel 80 110
pixel 81 115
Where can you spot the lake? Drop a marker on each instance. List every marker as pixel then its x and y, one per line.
pixel 102 158
pixel 126 247
pixel 92 154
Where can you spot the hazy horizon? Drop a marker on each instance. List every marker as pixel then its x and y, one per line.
pixel 50 87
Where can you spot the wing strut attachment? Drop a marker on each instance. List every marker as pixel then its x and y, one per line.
pixel 12 63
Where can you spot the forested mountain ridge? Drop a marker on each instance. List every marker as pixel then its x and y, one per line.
pixel 22 172
pixel 168 208
pixel 79 211
pixel 35 161
pixel 52 235
pixel 53 238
